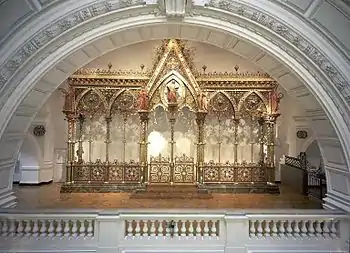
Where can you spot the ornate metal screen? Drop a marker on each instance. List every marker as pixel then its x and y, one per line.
pixel 207 128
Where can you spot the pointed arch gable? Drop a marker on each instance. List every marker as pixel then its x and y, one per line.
pixel 154 81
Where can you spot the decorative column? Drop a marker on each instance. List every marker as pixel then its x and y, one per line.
pixel 71 119
pixel 261 122
pixel 252 142
pixel 270 136
pixel 172 109
pixel 220 137
pixel 143 152
pixel 125 118
pixel 80 150
pixel 108 136
pixel 235 140
pixel 200 120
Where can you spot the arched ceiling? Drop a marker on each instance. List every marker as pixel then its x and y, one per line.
pixel 298 48
pixel 216 59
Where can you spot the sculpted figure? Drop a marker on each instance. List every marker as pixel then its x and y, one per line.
pixel 203 102
pixel 275 99
pixel 172 97
pixel 142 103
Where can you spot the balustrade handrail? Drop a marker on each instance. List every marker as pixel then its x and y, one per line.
pixel 188 213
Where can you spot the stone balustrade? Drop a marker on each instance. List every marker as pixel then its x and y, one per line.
pixel 195 229
pixel 296 228
pixel 180 228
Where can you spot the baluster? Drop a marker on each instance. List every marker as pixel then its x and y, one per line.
pixel 176 228
pixel 35 230
pixel 259 228
pixel 167 230
pixel 59 228
pixel 20 228
pixel 144 230
pixel 296 229
pixel 191 228
pixel 281 229
pixel 75 228
pixel 289 228
pixel 129 229
pixel 213 229
pixel 274 228
pixel 153 228
pixel 28 228
pixel 267 229
pixel 5 228
pixel 303 229
pixel 12 227
pixel 66 230
pixel 252 229
pixel 325 229
pixel 82 229
pixel 311 230
pixel 43 229
pixel 318 229
pixel 90 229
pixel 183 228
pixel 160 228
pixel 51 229
pixel 198 229
pixel 137 228
pixel 206 228
pixel 333 229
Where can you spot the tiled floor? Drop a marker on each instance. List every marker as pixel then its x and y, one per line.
pixel 48 196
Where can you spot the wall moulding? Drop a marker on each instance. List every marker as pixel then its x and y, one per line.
pixel 294 37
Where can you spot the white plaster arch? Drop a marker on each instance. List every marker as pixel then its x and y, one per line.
pixel 27 84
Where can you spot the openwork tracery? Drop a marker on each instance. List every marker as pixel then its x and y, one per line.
pixel 170 125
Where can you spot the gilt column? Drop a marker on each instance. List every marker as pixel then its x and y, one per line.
pixel 80 150
pixel 235 140
pixel 261 122
pixel 71 119
pixel 108 136
pixel 143 149
pixel 172 107
pixel 270 128
pixel 200 119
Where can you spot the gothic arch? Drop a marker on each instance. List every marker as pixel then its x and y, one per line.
pixel 173 74
pixel 86 93
pixel 35 63
pixel 243 99
pixel 234 108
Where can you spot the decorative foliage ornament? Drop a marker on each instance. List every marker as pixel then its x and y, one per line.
pixel 39 130
pixel 301 134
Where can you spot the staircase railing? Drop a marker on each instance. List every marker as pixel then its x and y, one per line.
pixel 313 177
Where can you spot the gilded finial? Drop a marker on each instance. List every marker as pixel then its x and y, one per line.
pixel 236 68
pixel 109 66
pixel 204 67
pixel 142 66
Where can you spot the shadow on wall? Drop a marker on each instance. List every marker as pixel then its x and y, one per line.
pixel 313 155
